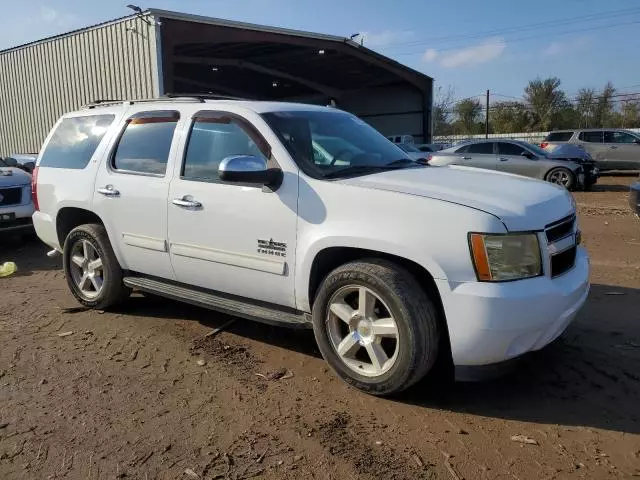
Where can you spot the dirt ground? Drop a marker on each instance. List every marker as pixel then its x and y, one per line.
pixel 141 393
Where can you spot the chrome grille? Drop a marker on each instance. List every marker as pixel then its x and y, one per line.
pixel 561 238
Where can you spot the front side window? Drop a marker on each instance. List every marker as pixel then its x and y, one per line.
pixel 505 148
pixel 74 141
pixel 328 144
pixel 145 143
pixel 619 137
pixel 591 137
pixel 481 148
pixel 211 141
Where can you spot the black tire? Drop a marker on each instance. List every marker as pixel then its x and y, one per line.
pixel 113 291
pixel 571 182
pixel 416 318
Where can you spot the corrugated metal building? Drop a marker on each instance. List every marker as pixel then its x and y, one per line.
pixel 158 52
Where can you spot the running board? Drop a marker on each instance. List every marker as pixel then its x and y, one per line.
pixel 221 303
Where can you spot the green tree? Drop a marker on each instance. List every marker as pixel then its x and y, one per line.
pixel 442 110
pixel 469 113
pixel 547 100
pixel 510 117
pixel 604 106
pixel 585 102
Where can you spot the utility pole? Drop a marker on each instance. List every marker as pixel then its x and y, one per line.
pixel 486 118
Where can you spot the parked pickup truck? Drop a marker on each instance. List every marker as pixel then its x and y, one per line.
pixel 226 205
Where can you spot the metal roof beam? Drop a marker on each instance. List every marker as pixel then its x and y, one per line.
pixel 331 92
pixel 214 86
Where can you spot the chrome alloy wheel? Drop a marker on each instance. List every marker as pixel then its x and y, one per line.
pixel 560 177
pixel 362 330
pixel 86 269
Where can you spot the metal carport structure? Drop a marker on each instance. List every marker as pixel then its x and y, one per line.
pixel 158 52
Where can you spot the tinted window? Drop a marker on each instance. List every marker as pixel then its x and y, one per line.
pixel 211 142
pixel 591 137
pixel 509 149
pixel 559 136
pixel 144 145
pixel 479 148
pixel 74 141
pixel 619 137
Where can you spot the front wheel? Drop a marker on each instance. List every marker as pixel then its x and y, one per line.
pixel 375 326
pixel 562 176
pixel 92 270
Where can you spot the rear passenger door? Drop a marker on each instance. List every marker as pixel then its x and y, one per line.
pixel 592 141
pixel 131 190
pixel 623 150
pixel 479 155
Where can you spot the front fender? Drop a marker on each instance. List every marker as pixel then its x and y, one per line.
pixel 309 250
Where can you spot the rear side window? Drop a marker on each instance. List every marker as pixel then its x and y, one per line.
pixel 559 136
pixel 480 148
pixel 591 137
pixel 74 141
pixel 213 139
pixel 145 143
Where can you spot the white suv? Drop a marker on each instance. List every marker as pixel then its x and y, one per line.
pixel 229 205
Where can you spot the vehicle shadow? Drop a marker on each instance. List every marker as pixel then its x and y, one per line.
pixel 589 377
pixel 609 188
pixel 28 253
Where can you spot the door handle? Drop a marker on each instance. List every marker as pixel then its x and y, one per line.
pixel 613 147
pixel 466 158
pixel 109 191
pixel 186 202
pixel 502 159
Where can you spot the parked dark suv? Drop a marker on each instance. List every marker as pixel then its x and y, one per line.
pixel 611 148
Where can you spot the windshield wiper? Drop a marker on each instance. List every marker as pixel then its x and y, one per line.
pixel 407 161
pixel 359 169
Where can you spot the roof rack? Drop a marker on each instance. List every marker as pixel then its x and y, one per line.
pixel 169 97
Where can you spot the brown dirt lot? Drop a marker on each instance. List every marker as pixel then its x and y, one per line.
pixel 124 395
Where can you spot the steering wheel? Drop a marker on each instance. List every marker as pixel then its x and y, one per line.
pixel 339 154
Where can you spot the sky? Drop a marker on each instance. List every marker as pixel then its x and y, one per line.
pixel 466 45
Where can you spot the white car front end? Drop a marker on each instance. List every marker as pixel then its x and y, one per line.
pixel 16 207
pixel 493 320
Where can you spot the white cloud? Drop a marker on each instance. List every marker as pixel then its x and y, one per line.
pixel 571 45
pixel 474 55
pixel 385 38
pixel 51 16
pixel 430 55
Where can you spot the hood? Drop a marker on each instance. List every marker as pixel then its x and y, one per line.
pixel 13 176
pixel 569 150
pixel 519 202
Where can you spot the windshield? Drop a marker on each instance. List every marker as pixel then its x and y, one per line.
pixel 536 149
pixel 326 143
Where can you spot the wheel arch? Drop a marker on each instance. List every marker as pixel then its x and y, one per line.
pixel 69 218
pixel 330 258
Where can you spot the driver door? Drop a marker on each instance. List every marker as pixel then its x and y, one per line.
pixel 232 238
pixel 512 160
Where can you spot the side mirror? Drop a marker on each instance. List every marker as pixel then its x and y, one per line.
pixel 528 155
pixel 249 169
pixel 11 162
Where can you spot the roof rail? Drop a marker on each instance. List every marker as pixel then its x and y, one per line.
pixel 169 97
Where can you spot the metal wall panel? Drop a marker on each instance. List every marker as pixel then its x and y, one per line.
pixel 41 81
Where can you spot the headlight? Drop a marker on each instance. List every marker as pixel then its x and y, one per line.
pixel 505 257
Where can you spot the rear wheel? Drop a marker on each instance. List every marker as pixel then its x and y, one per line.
pixel 93 273
pixel 562 176
pixel 375 326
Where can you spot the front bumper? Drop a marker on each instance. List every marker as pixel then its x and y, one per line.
pixel 493 322
pixel 634 198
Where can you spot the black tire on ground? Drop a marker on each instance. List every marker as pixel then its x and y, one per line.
pixel 113 290
pixel 570 185
pixel 416 318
